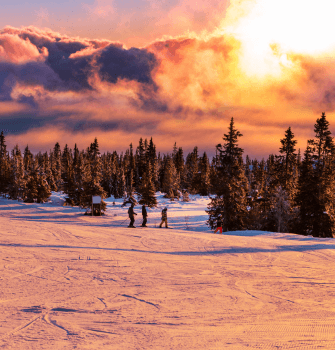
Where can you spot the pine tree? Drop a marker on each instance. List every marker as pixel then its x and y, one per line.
pixel 48 172
pixel 18 182
pixel 281 209
pixel 132 169
pixel 130 192
pixel 43 188
pixel 315 195
pixel 27 159
pixel 213 175
pixel 307 194
pixel 115 171
pixel 140 158
pixel 287 150
pixel 170 179
pixel 280 189
pixel 204 175
pixel 32 182
pixel 75 189
pixel 192 176
pixel 151 155
pixel 256 195
pixel 56 166
pixel 121 184
pixel 186 196
pixel 91 177
pixel 285 166
pixel 4 166
pixel 179 163
pixel 230 204
pixel 147 189
pixel 67 174
pixel 37 187
pixel 271 178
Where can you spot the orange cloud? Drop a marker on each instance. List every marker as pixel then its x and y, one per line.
pixel 17 50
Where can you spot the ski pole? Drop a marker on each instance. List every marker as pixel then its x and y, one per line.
pixel 124 221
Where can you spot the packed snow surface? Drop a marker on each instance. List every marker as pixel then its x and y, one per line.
pixel 72 281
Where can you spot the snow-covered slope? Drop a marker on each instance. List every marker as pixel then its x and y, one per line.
pixel 70 281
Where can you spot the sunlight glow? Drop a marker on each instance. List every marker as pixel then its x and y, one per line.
pixel 268 30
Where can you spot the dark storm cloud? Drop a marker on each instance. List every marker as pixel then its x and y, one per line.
pixel 133 64
pixel 7 82
pixel 19 123
pixel 30 73
pixel 89 125
pixel 28 99
pixel 73 72
pixel 86 125
pixel 152 103
pixel 64 69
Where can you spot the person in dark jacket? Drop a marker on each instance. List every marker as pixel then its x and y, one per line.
pixel 131 214
pixel 164 218
pixel 145 215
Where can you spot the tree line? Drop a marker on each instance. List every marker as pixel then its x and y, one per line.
pixel 288 192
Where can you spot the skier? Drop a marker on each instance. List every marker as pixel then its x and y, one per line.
pixel 219 224
pixel 145 215
pixel 131 214
pixel 164 218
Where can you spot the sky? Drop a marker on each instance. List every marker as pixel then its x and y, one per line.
pixel 176 71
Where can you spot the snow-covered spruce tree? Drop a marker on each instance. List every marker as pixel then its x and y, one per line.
pixel 27 159
pixel 76 189
pixel 178 158
pixel 4 166
pixel 18 182
pixel 67 170
pixel 129 197
pixel 170 181
pixel 48 172
pixel 306 197
pixel 191 173
pixel 151 155
pixel 186 196
pixel 281 182
pixel 147 189
pixel 281 209
pixel 213 174
pixel 115 169
pixel 289 163
pixel 32 183
pixel 204 174
pixel 108 173
pixel 37 188
pixel 131 168
pixel 121 184
pixel 317 213
pixel 229 206
pixel 91 177
pixel 56 166
pixel 28 164
pixel 268 171
pixel 140 158
pixel 43 188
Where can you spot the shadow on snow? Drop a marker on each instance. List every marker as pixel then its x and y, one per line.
pixel 228 250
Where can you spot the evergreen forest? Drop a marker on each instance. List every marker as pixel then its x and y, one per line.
pixel 287 192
